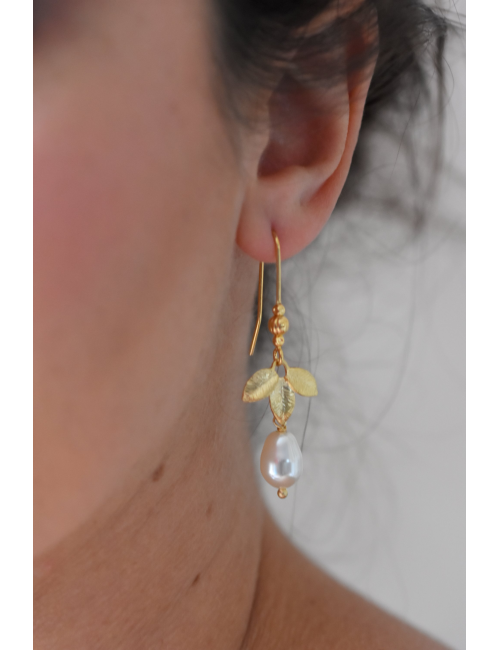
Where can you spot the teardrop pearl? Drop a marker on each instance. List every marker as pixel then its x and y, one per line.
pixel 281 459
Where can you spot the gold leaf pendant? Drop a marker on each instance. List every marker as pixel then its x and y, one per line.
pixel 282 401
pixel 260 385
pixel 301 381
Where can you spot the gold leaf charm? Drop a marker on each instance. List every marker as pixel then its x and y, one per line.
pixel 260 385
pixel 282 401
pixel 302 382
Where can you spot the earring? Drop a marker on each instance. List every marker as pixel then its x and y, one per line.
pixel 281 458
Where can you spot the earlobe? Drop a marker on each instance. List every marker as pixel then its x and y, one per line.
pixel 303 166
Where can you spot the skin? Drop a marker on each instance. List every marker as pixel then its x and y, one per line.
pixel 151 212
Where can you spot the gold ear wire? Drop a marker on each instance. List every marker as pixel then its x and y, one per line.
pixel 260 291
pixel 260 295
pixel 277 248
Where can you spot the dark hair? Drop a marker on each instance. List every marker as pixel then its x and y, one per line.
pixel 259 41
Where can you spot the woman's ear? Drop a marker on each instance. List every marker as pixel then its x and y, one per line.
pixel 304 163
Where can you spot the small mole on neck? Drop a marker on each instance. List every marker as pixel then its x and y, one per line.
pixel 196 579
pixel 158 473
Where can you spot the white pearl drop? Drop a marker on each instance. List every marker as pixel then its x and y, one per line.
pixel 281 459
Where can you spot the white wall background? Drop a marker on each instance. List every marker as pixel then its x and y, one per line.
pixel 381 503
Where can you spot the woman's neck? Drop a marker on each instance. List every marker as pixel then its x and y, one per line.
pixel 173 561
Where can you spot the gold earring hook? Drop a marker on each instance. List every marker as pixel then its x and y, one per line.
pixel 260 291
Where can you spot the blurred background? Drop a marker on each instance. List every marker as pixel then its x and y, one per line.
pixel 376 309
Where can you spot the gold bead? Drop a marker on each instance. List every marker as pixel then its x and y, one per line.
pixel 279 309
pixel 278 325
pixel 282 493
pixel 283 324
pixel 278 341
